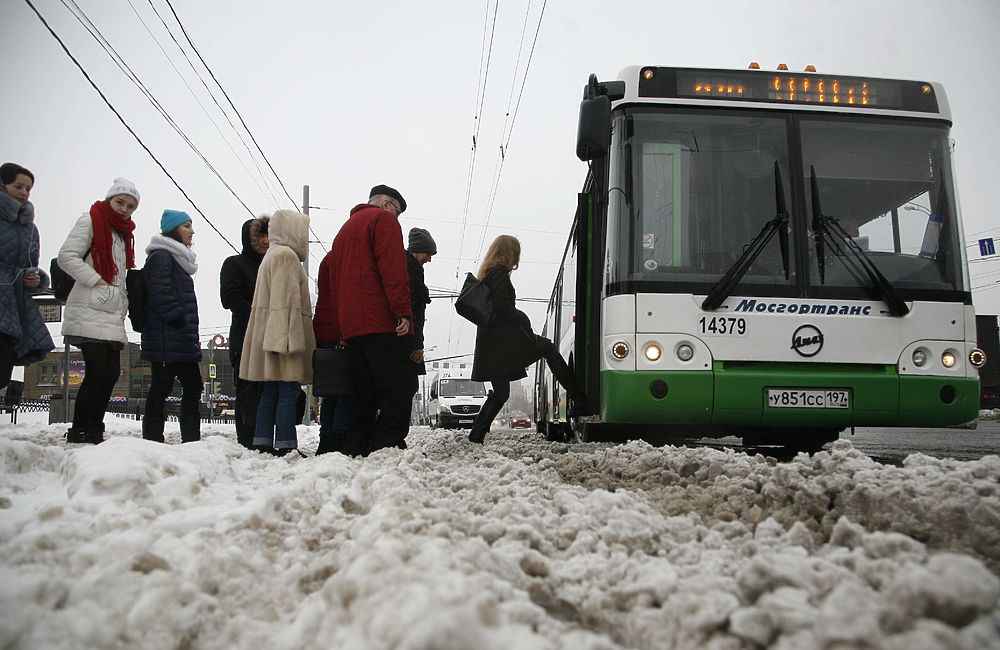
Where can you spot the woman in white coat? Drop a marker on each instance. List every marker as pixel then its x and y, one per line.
pixel 97 253
pixel 279 342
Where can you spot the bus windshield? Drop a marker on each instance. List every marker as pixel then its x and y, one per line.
pixel 462 387
pixel 689 189
pixel 888 186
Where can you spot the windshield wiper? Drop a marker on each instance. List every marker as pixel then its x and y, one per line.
pixel 724 287
pixel 828 231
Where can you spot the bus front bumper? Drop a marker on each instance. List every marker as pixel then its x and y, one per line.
pixel 737 395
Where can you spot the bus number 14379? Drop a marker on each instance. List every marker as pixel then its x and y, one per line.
pixel 723 326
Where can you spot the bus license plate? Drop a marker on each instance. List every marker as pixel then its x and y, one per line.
pixel 814 399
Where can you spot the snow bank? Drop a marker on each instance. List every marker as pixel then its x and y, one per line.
pixel 521 544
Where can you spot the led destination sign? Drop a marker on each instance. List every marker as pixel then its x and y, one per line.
pixel 788 88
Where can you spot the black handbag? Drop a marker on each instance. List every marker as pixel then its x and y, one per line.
pixel 332 373
pixel 475 302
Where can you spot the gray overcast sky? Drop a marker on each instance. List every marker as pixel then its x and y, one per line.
pixel 342 96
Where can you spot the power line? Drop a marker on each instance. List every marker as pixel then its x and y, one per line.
pixel 480 100
pixel 483 78
pixel 211 94
pixel 132 76
pixel 506 141
pixel 126 125
pixel 265 189
pixel 236 110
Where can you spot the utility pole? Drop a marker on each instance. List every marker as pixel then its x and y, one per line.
pixel 307 418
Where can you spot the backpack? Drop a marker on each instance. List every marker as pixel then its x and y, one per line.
pixel 475 302
pixel 135 284
pixel 61 281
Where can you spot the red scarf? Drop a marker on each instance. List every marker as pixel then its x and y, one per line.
pixel 104 219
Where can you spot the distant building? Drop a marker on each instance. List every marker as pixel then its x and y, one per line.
pixel 45 378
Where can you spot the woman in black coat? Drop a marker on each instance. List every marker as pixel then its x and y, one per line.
pixel 170 336
pixel 506 346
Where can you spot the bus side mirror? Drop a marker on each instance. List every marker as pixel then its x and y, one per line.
pixel 593 135
pixel 434 393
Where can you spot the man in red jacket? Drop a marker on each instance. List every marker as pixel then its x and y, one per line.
pixel 366 303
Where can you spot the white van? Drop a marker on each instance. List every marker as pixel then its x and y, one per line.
pixel 454 400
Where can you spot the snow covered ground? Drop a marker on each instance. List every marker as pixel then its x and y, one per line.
pixel 518 544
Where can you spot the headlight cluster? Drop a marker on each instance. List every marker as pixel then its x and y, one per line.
pixel 949 358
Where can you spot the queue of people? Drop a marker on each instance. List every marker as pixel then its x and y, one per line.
pixel 371 308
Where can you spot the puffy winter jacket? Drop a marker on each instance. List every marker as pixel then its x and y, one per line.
pixel 171 331
pixel 19 317
pixel 368 280
pixel 93 309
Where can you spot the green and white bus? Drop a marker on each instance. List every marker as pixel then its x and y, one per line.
pixel 773 255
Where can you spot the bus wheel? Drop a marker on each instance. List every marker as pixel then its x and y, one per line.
pixel 808 440
pixel 558 432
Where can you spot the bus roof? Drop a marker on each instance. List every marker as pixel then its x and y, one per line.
pixel 783 90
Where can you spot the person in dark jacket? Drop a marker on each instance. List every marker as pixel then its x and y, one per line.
pixel 170 337
pixel 506 346
pixel 372 311
pixel 236 285
pixel 24 339
pixel 337 426
pixel 421 248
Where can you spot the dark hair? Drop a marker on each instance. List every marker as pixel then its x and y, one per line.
pixel 10 171
pixel 262 225
pixel 175 235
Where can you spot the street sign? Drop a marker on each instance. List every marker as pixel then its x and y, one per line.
pixel 49 308
pixel 50 312
pixel 986 247
pixel 211 371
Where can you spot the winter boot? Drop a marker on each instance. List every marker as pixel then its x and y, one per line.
pixel 95 434
pixel 190 424
pixel 579 405
pixel 152 429
pixel 76 436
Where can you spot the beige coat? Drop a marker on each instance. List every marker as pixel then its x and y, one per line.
pixel 279 341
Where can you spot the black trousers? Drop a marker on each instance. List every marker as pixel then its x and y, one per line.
pixel 102 365
pixel 501 387
pixel 160 387
pixel 6 360
pixel 385 384
pixel 247 396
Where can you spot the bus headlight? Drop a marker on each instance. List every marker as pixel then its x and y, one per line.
pixel 685 352
pixel 977 358
pixel 920 357
pixel 949 358
pixel 619 350
pixel 653 352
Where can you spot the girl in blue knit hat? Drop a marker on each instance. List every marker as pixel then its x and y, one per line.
pixel 170 336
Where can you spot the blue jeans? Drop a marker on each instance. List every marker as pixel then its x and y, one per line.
pixel 276 415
